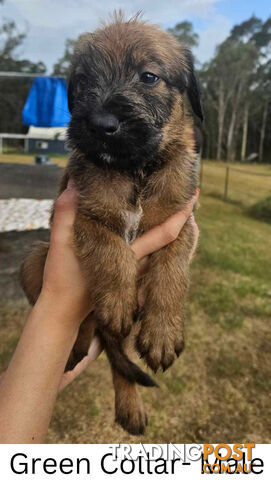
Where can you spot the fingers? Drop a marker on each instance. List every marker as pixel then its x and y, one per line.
pixel 196 236
pixel 95 349
pixel 165 233
pixel 64 215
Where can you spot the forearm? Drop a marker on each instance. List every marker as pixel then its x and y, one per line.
pixel 29 387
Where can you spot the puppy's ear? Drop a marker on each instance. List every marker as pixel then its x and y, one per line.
pixel 71 93
pixel 192 86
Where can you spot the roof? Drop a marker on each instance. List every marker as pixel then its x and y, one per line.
pixel 51 133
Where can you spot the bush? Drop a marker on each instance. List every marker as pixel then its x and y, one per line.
pixel 261 210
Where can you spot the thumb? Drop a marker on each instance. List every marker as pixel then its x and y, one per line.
pixel 64 215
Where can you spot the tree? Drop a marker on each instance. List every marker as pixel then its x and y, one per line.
pixel 239 101
pixel 14 91
pixel 263 93
pixel 225 77
pixel 184 33
pixel 254 32
pixel 62 66
pixel 236 87
pixel 246 30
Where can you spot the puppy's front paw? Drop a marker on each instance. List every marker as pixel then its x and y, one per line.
pixel 159 341
pixel 115 312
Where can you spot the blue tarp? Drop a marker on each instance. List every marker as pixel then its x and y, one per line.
pixel 47 103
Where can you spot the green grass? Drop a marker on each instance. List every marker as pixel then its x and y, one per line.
pixel 247 184
pixel 219 389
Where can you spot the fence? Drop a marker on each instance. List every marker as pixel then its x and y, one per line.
pixel 13 136
pixel 242 184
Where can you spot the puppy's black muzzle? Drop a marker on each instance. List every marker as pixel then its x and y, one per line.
pixel 114 132
pixel 104 123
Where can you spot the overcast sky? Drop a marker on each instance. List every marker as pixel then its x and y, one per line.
pixel 50 22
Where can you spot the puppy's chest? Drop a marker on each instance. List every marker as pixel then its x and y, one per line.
pixel 131 220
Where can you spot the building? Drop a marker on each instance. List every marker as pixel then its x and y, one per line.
pixel 41 140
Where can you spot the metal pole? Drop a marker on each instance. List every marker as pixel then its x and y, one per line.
pixel 28 75
pixel 226 183
pixel 26 145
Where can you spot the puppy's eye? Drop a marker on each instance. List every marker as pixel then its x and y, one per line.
pixel 149 78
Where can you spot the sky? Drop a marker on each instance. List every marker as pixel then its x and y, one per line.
pixel 49 22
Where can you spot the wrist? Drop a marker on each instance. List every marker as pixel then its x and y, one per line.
pixel 59 311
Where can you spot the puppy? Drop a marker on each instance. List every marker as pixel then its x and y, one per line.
pixel 134 164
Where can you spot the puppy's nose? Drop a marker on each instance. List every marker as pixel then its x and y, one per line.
pixel 105 123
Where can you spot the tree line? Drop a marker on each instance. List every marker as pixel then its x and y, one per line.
pixel 235 84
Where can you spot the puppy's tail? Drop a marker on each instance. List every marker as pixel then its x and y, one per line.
pixel 121 363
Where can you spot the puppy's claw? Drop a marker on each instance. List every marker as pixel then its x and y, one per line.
pixel 179 349
pixel 159 350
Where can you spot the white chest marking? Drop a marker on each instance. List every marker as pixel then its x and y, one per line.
pixel 132 219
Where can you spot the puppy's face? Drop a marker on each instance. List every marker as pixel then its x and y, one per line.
pixel 126 80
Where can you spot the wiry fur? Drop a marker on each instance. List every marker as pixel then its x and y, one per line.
pixel 127 183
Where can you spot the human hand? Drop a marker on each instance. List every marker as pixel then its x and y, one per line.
pixel 63 280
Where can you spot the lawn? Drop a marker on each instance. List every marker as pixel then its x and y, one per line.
pixel 247 183
pixel 28 159
pixel 219 389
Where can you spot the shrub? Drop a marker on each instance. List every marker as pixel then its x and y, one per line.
pixel 261 210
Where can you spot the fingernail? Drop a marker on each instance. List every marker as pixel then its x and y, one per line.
pixel 197 191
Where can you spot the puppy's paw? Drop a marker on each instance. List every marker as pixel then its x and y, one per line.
pixel 159 342
pixel 134 420
pixel 115 313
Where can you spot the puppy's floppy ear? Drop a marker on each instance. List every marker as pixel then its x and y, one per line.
pixel 71 92
pixel 192 86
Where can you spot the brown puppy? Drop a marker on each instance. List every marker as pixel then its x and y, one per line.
pixel 133 163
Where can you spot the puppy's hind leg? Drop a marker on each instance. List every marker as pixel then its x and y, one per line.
pixel 31 274
pixel 129 408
